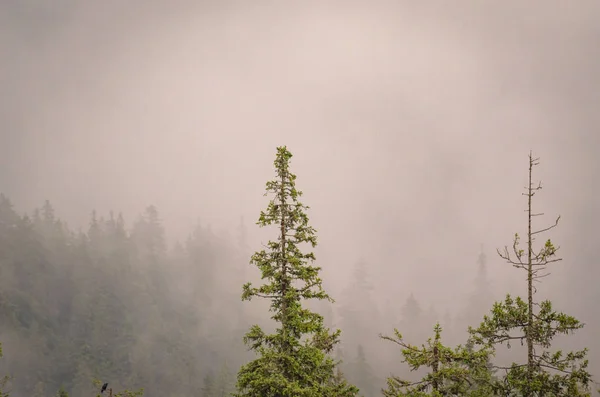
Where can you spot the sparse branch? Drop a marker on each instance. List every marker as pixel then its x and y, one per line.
pixel 548 228
pixel 543 373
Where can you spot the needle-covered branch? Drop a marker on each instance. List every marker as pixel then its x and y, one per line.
pixel 462 371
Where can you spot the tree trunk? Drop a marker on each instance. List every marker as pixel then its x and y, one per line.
pixel 529 334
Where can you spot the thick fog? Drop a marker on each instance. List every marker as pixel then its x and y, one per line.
pixel 410 125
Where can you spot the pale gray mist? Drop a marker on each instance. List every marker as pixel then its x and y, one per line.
pixel 410 125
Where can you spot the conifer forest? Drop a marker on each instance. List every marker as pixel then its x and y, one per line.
pixel 256 199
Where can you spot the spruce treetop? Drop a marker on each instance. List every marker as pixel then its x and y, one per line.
pixel 294 361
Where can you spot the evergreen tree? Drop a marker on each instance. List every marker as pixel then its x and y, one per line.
pixel 411 312
pixel 294 361
pixel 84 305
pixel 487 365
pixel 412 318
pixel 481 298
pixel 534 324
pixel 453 372
pixel 358 311
pixel 361 374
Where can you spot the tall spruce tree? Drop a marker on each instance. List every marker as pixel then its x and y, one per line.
pixel 534 324
pixel 295 360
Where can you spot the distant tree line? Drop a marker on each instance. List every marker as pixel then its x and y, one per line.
pixel 117 304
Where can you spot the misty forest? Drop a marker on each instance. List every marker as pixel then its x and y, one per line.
pixel 111 302
pixel 289 201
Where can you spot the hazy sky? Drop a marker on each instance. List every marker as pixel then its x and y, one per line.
pixel 410 121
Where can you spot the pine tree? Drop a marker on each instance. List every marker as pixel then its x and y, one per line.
pixel 294 361
pixel 412 318
pixel 534 324
pixel 453 372
pixel 411 312
pixel 361 374
pixel 481 297
pixel 358 311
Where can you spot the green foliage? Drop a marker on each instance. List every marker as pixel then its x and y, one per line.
pixel 460 371
pixel 535 325
pixel 552 374
pixel 294 361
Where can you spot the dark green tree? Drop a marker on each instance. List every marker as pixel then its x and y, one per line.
pixel 293 361
pixel 452 372
pixel 535 324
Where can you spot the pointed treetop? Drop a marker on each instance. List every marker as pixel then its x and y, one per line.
pixel 289 364
pixel 48 212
